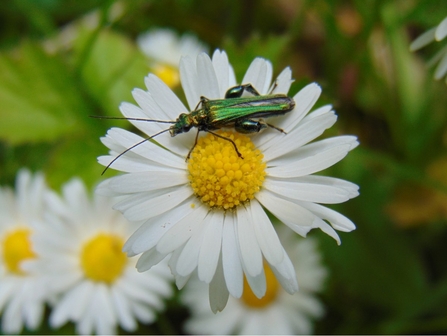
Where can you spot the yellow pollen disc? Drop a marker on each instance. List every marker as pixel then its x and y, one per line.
pixel 17 248
pixel 167 74
pixel 219 177
pixel 250 299
pixel 102 259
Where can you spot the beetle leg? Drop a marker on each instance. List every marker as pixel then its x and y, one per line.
pixel 202 100
pixel 249 126
pixel 193 146
pixel 228 139
pixel 276 128
pixel 238 91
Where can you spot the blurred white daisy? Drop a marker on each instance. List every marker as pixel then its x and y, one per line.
pixel 93 282
pixel 22 294
pixel 164 49
pixel 209 212
pixel 437 34
pixel 277 312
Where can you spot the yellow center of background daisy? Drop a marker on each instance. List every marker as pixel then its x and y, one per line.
pixel 17 248
pixel 219 177
pixel 102 258
pixel 250 299
pixel 169 75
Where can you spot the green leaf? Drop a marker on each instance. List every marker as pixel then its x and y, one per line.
pixel 113 68
pixel 39 100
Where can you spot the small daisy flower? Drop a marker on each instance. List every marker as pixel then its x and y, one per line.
pixel 22 294
pixel 277 312
pixel 164 48
pixel 210 212
pixel 93 282
pixel 437 34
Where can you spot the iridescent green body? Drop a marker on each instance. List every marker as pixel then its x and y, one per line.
pixel 234 111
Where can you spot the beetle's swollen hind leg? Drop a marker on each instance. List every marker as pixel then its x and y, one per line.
pixel 238 91
pixel 193 146
pixel 228 139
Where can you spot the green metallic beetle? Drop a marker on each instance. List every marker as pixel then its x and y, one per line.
pixel 234 111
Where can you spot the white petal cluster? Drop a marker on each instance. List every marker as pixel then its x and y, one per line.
pixel 94 306
pixel 22 296
pixel 437 34
pixel 285 315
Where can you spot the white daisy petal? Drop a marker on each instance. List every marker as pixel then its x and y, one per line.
pixel 210 249
pixel 259 74
pixel 218 292
pixel 146 181
pixel 190 81
pixel 266 235
pixel 189 257
pixel 286 275
pixel 304 101
pixel 312 158
pixel 326 228
pixel 249 248
pixel 139 207
pixel 441 30
pixel 283 81
pixel 257 283
pixel 309 129
pixel 286 211
pixel 318 189
pixel 209 86
pixel 168 102
pixel 149 123
pixel 222 70
pixel 230 257
pixel 124 315
pixel 423 40
pixel 148 235
pixel 143 149
pixel 337 220
pixel 149 259
pixel 182 230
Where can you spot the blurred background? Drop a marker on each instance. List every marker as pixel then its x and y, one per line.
pixel 62 61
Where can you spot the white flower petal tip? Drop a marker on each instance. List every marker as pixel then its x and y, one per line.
pixel 423 40
pixel 441 30
pixel 437 34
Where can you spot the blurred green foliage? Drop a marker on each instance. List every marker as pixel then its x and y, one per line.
pixel 59 64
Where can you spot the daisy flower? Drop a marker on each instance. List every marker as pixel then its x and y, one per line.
pixel 92 281
pixel 210 212
pixel 164 49
pixel 277 312
pixel 22 298
pixel 437 34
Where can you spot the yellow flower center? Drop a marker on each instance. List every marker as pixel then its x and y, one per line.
pixel 167 74
pixel 250 299
pixel 219 177
pixel 102 258
pixel 17 248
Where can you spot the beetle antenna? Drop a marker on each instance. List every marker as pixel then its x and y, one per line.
pixel 132 147
pixel 135 119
